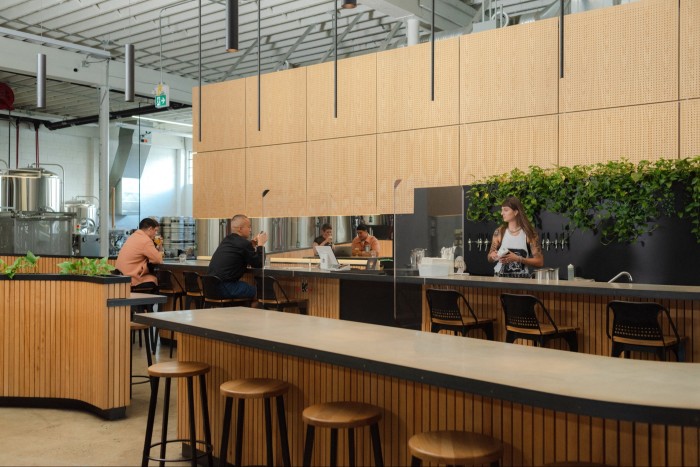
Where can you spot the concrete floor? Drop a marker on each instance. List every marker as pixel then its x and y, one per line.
pixel 71 437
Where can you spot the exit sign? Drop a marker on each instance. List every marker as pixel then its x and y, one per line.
pixel 162 96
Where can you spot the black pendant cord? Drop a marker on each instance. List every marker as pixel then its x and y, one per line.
pixel 335 61
pixel 200 71
pixel 432 54
pixel 259 51
pixel 561 38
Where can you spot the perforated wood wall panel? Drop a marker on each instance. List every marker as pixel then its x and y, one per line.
pixel 690 49
pixel 492 148
pixel 690 128
pixel 357 98
pixel 641 132
pixel 282 108
pixel 403 87
pixel 219 179
pixel 620 56
pixel 282 170
pixel 342 176
pixel 421 158
pixel 223 116
pixel 510 72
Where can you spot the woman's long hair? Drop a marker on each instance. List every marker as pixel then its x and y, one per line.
pixel 523 222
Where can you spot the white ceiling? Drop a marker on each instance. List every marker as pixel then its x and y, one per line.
pixel 166 35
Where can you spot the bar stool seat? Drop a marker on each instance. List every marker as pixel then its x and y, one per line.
pixel 454 448
pixel 254 388
pixel 169 370
pixel 342 415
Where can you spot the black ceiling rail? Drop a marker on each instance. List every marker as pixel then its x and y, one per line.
pixel 113 116
pixel 33 121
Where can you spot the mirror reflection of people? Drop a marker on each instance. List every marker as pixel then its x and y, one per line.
pixel 326 237
pixel 233 256
pixel 515 246
pixel 139 251
pixel 364 244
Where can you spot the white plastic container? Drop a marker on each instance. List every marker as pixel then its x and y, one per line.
pixel 432 267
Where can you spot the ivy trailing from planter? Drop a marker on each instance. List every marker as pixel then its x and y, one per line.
pixel 21 264
pixel 618 199
pixel 86 267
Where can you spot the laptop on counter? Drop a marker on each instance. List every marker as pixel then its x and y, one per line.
pixel 343 251
pixel 328 260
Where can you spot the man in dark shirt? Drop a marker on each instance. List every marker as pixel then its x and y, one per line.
pixel 233 256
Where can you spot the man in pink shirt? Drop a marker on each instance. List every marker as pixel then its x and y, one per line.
pixel 139 250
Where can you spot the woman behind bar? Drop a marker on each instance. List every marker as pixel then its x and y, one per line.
pixel 515 246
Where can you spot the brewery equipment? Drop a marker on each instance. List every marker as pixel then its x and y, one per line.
pixel 179 236
pixel 42 233
pixel 86 214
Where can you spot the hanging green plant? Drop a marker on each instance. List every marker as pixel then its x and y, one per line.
pixel 86 267
pixel 618 199
pixel 21 264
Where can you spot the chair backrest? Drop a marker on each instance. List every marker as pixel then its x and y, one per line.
pixel 520 311
pixel 167 282
pixel 210 288
pixel 637 320
pixel 273 290
pixel 192 283
pixel 444 306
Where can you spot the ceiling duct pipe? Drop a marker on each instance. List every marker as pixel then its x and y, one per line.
pixel 41 81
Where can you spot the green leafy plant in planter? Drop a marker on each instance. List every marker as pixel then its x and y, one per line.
pixel 86 267
pixel 21 264
pixel 619 199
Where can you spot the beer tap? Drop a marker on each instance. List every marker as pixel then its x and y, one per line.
pixel 469 242
pixel 547 242
pixel 556 241
pixel 479 242
pixel 564 242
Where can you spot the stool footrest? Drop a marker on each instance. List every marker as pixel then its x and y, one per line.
pixel 180 459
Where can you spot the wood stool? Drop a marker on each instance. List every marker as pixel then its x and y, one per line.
pixel 140 327
pixel 335 415
pixel 169 370
pixel 254 388
pixel 454 448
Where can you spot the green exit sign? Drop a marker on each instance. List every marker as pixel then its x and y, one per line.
pixel 162 99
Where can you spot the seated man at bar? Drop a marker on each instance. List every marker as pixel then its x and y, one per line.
pixel 140 251
pixel 325 239
pixel 364 244
pixel 233 256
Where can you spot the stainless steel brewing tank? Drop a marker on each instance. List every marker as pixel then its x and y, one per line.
pixel 86 214
pixel 31 190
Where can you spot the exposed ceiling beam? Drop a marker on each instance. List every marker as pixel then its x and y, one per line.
pixel 291 50
pixel 348 28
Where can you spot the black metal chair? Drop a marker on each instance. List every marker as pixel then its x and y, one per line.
pixel 275 298
pixel 193 290
pixel 170 286
pixel 445 314
pixel 147 288
pixel 211 289
pixel 522 322
pixel 638 326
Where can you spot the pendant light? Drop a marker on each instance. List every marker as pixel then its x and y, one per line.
pixel 129 73
pixel 232 26
pixel 349 3
pixel 41 81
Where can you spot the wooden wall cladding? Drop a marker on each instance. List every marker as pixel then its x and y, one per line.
pixel 342 176
pixel 690 128
pixel 282 170
pixel 282 108
pixel 531 435
pixel 223 116
pixel 690 49
pixel 620 56
pixel 219 180
pixel 403 87
pixel 510 72
pixel 492 148
pixel 645 132
pixel 357 98
pixel 421 158
pixel 60 340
